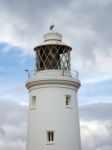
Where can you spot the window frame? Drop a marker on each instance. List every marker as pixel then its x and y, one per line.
pixel 68 101
pixel 50 137
pixel 33 102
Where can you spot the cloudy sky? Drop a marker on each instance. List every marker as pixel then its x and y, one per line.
pixel 87 27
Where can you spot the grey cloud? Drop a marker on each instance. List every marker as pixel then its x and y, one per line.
pixel 99 111
pixel 96 126
pixel 13 111
pixel 91 37
pixel 95 135
pixel 96 91
pixel 2 133
pixel 33 14
pixel 12 126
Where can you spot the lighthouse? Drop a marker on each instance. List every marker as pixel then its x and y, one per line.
pixel 53 118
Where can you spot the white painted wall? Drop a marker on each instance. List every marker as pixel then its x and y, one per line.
pixel 51 113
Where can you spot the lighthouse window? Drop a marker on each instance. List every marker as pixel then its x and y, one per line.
pixel 68 100
pixel 33 102
pixel 50 136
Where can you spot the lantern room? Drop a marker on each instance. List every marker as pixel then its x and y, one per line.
pixel 53 54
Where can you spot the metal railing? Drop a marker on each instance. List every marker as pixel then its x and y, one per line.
pixel 32 73
pixel 74 74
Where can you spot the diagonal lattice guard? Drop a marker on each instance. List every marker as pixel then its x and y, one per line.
pixel 53 57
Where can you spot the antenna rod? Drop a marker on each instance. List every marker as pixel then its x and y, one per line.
pixel 28 73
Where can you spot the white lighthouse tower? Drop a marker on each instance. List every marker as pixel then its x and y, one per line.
pixel 53 110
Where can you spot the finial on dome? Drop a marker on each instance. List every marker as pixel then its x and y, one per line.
pixel 51 27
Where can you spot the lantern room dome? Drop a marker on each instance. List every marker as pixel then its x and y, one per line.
pixel 52 36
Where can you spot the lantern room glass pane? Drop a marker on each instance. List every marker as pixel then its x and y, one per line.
pixel 64 61
pixel 53 57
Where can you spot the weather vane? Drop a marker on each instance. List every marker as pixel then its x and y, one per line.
pixel 51 27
